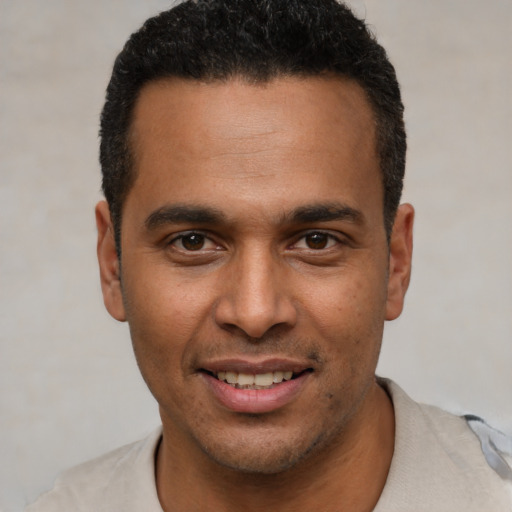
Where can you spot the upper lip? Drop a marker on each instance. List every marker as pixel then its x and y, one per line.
pixel 256 367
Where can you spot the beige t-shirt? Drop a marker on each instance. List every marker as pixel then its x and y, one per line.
pixel 438 465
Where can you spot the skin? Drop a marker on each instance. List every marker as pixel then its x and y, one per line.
pixel 259 282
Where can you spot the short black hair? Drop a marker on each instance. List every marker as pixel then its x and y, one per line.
pixel 258 40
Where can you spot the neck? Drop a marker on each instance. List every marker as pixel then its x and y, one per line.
pixel 347 476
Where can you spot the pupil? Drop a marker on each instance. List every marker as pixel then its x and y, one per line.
pixel 317 240
pixel 193 242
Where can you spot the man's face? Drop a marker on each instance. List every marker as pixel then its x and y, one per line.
pixel 253 244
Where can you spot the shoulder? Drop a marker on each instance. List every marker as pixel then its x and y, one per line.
pixel 120 480
pixel 442 463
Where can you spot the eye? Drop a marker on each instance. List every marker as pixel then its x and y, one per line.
pixel 193 241
pixel 316 240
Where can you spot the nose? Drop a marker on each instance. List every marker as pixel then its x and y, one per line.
pixel 255 296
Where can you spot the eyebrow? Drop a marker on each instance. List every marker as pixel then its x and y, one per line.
pixel 307 214
pixel 177 214
pixel 324 213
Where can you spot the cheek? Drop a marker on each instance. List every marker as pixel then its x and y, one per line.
pixel 352 304
pixel 164 318
pixel 349 315
pixel 165 305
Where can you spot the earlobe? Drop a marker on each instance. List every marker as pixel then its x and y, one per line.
pixel 109 263
pixel 400 256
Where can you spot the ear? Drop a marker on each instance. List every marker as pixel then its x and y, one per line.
pixel 400 255
pixel 109 263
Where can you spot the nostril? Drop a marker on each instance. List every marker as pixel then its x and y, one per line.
pixel 254 306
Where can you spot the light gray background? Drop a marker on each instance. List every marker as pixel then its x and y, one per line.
pixel 70 388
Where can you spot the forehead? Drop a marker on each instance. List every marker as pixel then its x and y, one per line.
pixel 188 110
pixel 307 136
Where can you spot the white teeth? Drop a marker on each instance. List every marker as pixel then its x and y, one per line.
pixel 264 379
pixel 231 377
pixel 278 377
pixel 244 379
pixel 254 381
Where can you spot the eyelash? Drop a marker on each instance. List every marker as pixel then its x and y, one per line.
pixel 204 236
pixel 331 240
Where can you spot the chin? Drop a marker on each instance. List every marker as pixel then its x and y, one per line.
pixel 262 458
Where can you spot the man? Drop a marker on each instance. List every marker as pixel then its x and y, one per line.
pixel 253 153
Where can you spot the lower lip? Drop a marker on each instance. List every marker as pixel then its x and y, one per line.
pixel 256 401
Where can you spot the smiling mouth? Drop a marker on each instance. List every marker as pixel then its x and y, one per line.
pixel 267 380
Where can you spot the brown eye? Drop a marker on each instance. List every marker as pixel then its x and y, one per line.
pixel 193 241
pixel 317 240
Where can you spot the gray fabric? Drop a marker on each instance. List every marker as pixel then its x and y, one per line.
pixel 495 446
pixel 438 464
pixel 120 481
